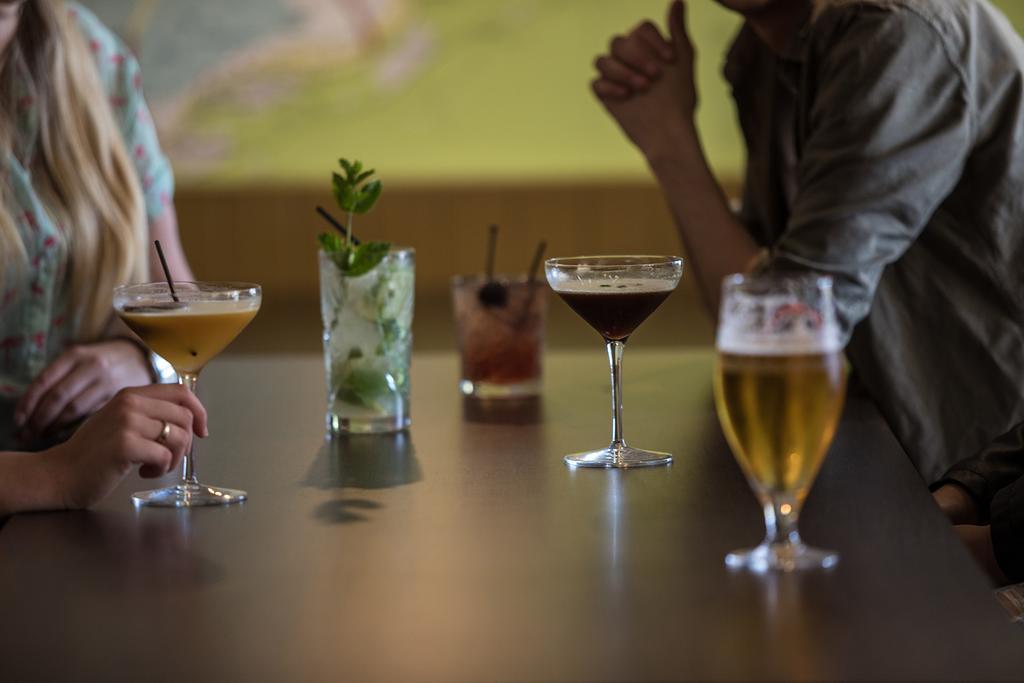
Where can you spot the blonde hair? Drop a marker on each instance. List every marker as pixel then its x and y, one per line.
pixel 79 164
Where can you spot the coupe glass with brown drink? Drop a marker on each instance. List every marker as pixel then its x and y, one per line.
pixel 614 294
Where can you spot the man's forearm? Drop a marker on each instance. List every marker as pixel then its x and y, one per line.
pixel 28 481
pixel 716 243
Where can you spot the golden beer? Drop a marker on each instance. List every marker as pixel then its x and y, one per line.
pixel 779 413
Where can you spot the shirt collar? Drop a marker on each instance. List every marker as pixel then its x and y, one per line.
pixel 748 47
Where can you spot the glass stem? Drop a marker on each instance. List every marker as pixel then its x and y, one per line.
pixel 780 522
pixel 615 349
pixel 188 465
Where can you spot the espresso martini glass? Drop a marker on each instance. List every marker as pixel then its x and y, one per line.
pixel 188 328
pixel 614 294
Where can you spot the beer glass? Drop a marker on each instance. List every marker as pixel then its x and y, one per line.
pixel 779 386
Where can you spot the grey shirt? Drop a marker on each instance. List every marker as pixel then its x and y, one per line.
pixel 886 150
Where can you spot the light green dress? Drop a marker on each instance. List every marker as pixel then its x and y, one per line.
pixel 34 317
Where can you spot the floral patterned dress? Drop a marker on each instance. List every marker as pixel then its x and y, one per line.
pixel 34 320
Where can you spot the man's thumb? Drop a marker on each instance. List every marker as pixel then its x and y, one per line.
pixel 677 23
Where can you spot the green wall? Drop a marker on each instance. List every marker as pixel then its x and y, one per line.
pixel 500 95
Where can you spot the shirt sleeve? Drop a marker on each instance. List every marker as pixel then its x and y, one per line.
pixel 987 474
pixel 884 140
pixel 122 79
pixel 1007 529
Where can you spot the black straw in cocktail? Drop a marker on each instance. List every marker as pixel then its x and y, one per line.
pixel 531 281
pixel 535 266
pixel 335 223
pixel 167 271
pixel 493 293
pixel 167 276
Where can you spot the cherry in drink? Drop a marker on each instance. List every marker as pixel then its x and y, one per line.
pixel 500 330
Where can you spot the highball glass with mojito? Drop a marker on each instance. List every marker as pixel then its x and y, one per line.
pixel 368 343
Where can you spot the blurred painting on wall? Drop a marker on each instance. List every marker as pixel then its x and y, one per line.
pixel 431 90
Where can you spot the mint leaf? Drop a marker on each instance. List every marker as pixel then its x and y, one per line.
pixel 390 333
pixel 352 192
pixel 366 256
pixel 363 386
pixel 330 242
pixel 367 197
pixel 336 248
pixel 355 193
pixel 338 185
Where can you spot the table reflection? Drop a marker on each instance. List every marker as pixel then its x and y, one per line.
pixel 505 411
pixel 153 550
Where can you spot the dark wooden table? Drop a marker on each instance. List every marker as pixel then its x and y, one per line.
pixel 466 551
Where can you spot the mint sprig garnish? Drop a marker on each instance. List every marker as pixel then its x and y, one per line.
pixel 356 192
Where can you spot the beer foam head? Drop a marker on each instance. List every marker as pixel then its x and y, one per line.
pixel 776 326
pixel 614 285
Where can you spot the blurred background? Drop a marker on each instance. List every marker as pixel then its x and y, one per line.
pixel 472 111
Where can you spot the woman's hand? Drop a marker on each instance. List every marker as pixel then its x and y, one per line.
pixel 126 432
pixel 78 383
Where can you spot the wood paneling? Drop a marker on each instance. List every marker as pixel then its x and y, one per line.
pixel 267 234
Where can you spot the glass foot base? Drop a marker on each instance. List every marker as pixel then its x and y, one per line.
pixel 188 495
pixel 782 557
pixel 618 457
pixel 489 390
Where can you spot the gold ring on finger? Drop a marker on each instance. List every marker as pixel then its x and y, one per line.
pixel 165 432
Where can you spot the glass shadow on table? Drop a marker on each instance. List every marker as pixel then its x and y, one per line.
pixel 503 411
pixel 365 461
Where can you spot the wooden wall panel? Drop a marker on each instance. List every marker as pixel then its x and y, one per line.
pixel 267 234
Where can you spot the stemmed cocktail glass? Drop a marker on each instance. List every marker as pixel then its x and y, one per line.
pixel 779 387
pixel 188 329
pixel 615 294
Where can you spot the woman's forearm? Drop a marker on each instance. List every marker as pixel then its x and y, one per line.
pixel 29 481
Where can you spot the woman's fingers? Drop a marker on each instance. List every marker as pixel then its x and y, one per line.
pixel 88 401
pixel 176 394
pixel 66 391
pixel 154 459
pixel 51 375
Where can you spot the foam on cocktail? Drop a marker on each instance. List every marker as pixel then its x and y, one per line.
pixel 175 308
pixel 613 286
